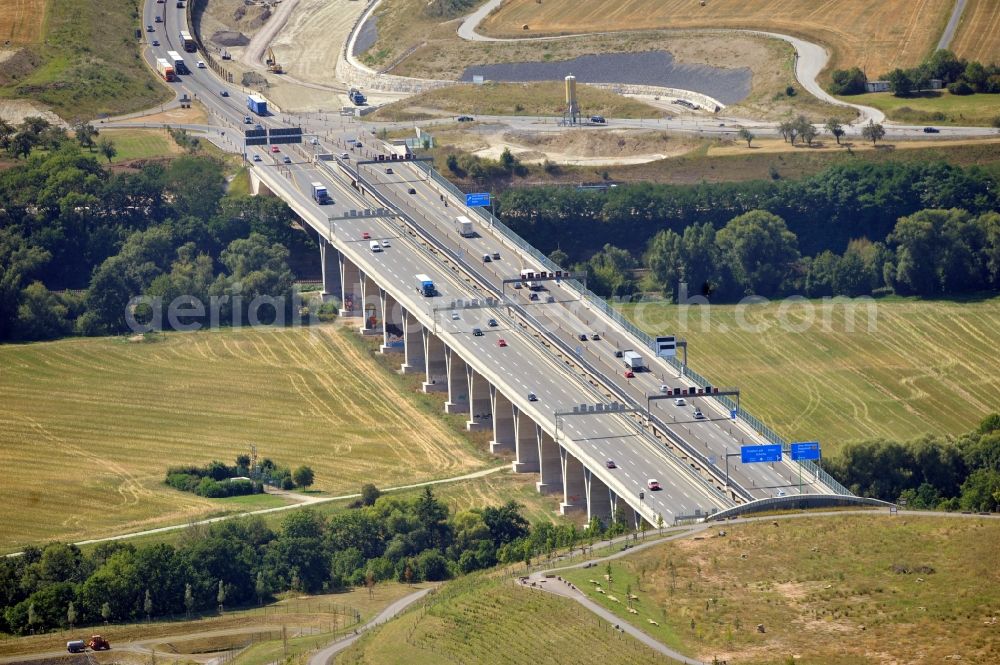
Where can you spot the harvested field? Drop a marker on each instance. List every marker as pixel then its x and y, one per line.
pixel 108 416
pixel 978 35
pixel 837 380
pixel 876 35
pixel 21 21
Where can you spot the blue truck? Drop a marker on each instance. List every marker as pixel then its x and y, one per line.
pixel 257 104
pixel 355 96
pixel 425 286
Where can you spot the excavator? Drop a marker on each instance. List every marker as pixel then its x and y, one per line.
pixel 273 65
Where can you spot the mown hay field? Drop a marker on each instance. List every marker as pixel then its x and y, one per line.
pixel 21 21
pixel 928 367
pixel 488 619
pixel 978 34
pixel 89 426
pixel 830 590
pixel 875 35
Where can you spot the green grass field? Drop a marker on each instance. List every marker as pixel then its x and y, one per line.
pixel 140 144
pixel 483 619
pixel 828 590
pixel 546 99
pixel 89 62
pixel 941 108
pixel 928 367
pixel 108 416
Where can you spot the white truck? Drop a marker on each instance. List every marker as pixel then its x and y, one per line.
pixel 633 360
pixel 319 193
pixel 464 226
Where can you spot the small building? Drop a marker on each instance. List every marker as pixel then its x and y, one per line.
pixel 935 84
pixel 876 86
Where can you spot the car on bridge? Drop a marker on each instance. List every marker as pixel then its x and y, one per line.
pixel 286 159
pixel 698 415
pixel 611 464
pixel 501 342
pixel 594 337
pixel 680 402
pixel 492 323
pixel 388 171
pixel 411 190
pixel 454 316
pixel 477 332
pixel 385 242
pixel 582 337
pixel 256 157
pixel 532 397
pixel 365 235
pixel 486 258
pixel 653 484
pixel 223 93
pixel 275 148
pixel 156 42
pixel 629 374
pixel 496 256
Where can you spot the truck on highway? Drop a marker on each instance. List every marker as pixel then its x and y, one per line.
pixel 165 69
pixel 633 360
pixel 464 226
pixel 187 41
pixel 355 96
pixel 178 61
pixel 319 193
pixel 528 277
pixel 425 286
pixel 257 104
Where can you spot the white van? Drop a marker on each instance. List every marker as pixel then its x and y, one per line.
pixel 375 246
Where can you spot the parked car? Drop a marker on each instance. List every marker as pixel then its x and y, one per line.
pixel 653 484
pixel 611 464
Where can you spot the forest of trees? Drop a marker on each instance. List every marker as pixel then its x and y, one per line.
pixel 77 241
pixel 856 228
pixel 245 562
pixel 931 472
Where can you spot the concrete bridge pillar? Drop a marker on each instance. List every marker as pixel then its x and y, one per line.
pixel 479 401
pixel 573 482
pixel 329 259
pixel 549 464
pixel 599 503
pixel 257 186
pixel 526 440
pixel 392 323
pixel 435 362
pixel 458 382
pixel 350 282
pixel 413 344
pixel 371 305
pixel 503 421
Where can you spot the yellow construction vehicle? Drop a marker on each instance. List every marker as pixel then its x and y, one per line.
pixel 272 63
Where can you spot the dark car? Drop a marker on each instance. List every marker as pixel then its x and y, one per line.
pixel 465 118
pixel 611 464
pixel 411 191
pixel 931 130
pixel 492 323
pixel 618 354
pixel 477 332
pixel 496 256
pixel 223 93
pixel 582 337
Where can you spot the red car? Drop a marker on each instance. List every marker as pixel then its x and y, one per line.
pixel 366 236
pixel 501 342
pixel 274 148
pixel 629 374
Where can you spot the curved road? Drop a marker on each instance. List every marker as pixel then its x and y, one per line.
pixel 323 656
pixel 810 59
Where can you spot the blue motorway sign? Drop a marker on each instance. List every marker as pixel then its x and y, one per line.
pixel 805 450
pixel 768 453
pixel 732 414
pixel 478 199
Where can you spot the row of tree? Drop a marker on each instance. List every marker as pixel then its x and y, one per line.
pixel 929 253
pixel 931 472
pixel 77 242
pixel 960 76
pixel 243 561
pixel 35 132
pixel 215 479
